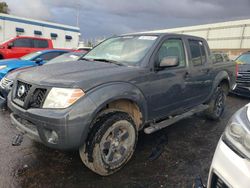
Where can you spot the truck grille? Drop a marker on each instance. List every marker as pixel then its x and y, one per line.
pixel 243 77
pixel 22 96
pixel 6 83
pixel 217 182
pixel 29 95
pixel 38 97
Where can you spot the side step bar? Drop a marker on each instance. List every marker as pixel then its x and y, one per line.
pixel 165 123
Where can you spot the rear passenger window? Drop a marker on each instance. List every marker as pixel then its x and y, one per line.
pixel 198 53
pixel 27 43
pixel 172 48
pixel 41 44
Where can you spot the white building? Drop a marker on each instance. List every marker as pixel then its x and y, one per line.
pixel 63 36
pixel 232 37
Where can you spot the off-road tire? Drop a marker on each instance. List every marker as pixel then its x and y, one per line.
pixel 91 152
pixel 216 104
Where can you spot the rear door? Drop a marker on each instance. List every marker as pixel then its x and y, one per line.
pixel 21 47
pixel 40 44
pixel 199 78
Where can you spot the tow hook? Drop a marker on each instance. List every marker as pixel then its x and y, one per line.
pixel 198 183
pixel 18 139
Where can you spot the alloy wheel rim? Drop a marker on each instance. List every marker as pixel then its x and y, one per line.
pixel 117 143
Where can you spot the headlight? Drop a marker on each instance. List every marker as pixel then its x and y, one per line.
pixel 62 97
pixel 3 67
pixel 237 133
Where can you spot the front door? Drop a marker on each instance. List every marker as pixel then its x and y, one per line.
pixel 167 86
pixel 21 47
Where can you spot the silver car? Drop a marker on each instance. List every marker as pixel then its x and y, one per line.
pixel 231 161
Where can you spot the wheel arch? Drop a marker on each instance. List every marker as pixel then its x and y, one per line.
pixel 122 97
pixel 222 78
pixel 1 56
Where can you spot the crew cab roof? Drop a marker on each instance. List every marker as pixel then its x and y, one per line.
pixel 163 34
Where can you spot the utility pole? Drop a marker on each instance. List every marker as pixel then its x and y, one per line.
pixel 77 14
pixel 77 19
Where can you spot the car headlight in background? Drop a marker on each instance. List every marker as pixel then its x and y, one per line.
pixel 237 133
pixel 3 67
pixel 62 97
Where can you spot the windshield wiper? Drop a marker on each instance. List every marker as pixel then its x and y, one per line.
pixel 109 61
pixel 86 59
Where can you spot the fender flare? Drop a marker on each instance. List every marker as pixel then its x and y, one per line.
pixel 222 75
pixel 107 93
pixel 1 55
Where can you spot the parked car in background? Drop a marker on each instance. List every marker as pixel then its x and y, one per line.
pixel 218 57
pixel 125 84
pixel 243 75
pixel 231 162
pixel 7 82
pixel 85 48
pixel 22 45
pixel 71 56
pixel 30 60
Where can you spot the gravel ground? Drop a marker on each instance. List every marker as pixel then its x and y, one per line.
pixel 188 153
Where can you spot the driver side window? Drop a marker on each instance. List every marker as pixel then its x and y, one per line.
pixel 172 48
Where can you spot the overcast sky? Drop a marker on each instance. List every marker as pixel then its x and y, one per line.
pixel 107 17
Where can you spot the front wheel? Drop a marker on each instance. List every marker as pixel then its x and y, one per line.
pixel 216 104
pixel 110 144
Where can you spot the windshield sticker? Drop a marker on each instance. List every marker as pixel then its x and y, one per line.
pixel 147 37
pixel 128 37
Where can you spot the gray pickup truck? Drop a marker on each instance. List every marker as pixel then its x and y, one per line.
pixel 125 84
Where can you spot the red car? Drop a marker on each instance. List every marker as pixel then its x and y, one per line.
pixel 22 45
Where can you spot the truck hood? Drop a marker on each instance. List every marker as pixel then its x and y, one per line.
pixel 78 74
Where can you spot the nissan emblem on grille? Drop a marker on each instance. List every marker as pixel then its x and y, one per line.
pixel 21 91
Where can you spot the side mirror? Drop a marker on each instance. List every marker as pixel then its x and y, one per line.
pixel 171 61
pixel 39 60
pixel 10 45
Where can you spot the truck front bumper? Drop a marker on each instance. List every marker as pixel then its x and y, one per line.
pixel 64 129
pixel 242 90
pixel 228 169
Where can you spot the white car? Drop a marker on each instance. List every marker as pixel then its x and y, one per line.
pixel 231 161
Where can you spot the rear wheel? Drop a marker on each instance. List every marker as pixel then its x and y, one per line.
pixel 216 104
pixel 110 144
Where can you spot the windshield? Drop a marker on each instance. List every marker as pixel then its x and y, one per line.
pixel 31 56
pixel 6 40
pixel 66 57
pixel 244 58
pixel 128 50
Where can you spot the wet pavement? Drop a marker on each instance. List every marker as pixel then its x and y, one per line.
pixel 187 154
